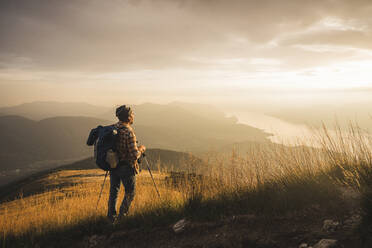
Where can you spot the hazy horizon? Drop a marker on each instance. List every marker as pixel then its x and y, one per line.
pixel 254 100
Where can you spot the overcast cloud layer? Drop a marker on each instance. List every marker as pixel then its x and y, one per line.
pixel 180 45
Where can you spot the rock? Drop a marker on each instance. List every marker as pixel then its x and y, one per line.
pixel 315 207
pixel 266 242
pixel 349 193
pixel 353 221
pixel 326 243
pixel 117 235
pixel 180 226
pixel 95 240
pixel 330 225
pixel 303 245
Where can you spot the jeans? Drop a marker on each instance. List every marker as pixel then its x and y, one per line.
pixel 123 173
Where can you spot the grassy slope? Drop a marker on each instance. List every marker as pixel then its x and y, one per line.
pixel 282 194
pixel 170 161
pixel 77 190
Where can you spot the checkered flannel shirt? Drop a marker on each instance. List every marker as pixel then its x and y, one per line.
pixel 127 144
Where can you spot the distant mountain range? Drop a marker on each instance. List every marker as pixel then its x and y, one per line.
pixel 25 141
pixel 43 110
pixel 176 126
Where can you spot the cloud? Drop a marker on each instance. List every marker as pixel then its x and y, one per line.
pixel 119 35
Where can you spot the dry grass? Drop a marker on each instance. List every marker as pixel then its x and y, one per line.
pixel 71 204
pixel 283 176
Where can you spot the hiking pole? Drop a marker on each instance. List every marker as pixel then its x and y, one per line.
pixel 99 198
pixel 148 167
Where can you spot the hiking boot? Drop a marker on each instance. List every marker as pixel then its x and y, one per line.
pixel 112 219
pixel 122 216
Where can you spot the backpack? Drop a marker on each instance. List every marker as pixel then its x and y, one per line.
pixel 104 139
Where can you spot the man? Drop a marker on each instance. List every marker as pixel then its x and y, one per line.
pixel 126 171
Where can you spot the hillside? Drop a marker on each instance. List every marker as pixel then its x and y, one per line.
pixel 186 120
pixel 172 127
pixel 25 141
pixel 190 127
pixel 225 208
pixel 164 160
pixel 143 230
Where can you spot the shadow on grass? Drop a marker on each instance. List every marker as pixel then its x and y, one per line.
pixel 67 235
pixel 359 175
pixel 365 180
pixel 270 199
pixel 365 228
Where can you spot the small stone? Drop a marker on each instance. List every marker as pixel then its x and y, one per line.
pixel 95 240
pixel 266 242
pixel 303 245
pixel 180 226
pixel 117 235
pixel 353 221
pixel 326 243
pixel 330 225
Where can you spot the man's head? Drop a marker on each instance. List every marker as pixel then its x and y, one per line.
pixel 125 114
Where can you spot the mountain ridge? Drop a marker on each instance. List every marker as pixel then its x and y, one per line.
pixel 28 144
pixel 43 109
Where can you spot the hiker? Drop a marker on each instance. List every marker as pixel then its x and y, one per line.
pixel 128 154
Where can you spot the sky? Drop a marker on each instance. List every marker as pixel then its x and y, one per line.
pixel 236 51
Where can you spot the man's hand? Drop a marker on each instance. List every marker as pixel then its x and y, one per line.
pixel 142 148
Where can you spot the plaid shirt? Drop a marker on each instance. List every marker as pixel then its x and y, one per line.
pixel 127 144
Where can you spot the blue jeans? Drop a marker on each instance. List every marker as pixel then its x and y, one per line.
pixel 123 173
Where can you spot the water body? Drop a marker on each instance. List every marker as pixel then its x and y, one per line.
pixel 283 132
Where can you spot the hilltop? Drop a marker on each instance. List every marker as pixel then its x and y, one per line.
pixel 165 160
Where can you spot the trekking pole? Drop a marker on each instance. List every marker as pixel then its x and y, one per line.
pixel 148 167
pixel 99 198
